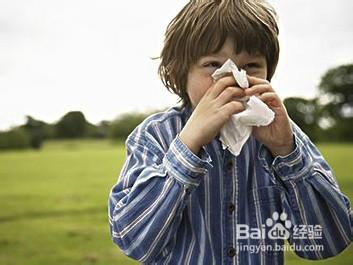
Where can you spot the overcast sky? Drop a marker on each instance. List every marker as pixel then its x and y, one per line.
pixel 95 56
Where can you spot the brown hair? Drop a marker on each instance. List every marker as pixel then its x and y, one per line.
pixel 202 27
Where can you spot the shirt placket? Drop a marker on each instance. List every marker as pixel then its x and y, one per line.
pixel 230 207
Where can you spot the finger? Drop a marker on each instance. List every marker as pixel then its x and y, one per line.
pixel 231 108
pixel 230 93
pixel 221 84
pixel 256 81
pixel 258 89
pixel 271 99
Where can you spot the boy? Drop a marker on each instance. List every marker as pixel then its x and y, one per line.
pixel 183 199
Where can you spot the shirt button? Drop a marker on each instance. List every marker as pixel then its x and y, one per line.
pixel 230 165
pixel 231 252
pixel 231 208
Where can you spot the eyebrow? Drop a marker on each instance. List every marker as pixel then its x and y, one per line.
pixel 217 54
pixel 206 58
pixel 214 56
pixel 222 56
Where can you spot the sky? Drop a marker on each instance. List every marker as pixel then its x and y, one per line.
pixel 96 56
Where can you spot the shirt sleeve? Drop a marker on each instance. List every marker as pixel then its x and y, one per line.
pixel 146 205
pixel 312 199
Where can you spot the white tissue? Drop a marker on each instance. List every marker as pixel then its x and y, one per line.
pixel 238 129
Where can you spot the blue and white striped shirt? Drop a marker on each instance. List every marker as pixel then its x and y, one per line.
pixel 171 206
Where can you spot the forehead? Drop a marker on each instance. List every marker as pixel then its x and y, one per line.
pixel 229 49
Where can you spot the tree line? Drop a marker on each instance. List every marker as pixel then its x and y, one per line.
pixel 328 117
pixel 73 125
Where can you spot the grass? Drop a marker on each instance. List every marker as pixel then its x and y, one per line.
pixel 53 203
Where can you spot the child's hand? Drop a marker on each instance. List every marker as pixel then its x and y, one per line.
pixel 278 136
pixel 214 109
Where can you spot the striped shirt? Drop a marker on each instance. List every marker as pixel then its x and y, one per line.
pixel 171 206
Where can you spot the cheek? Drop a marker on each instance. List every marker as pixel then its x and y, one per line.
pixel 262 73
pixel 197 87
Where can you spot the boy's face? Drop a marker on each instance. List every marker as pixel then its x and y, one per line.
pixel 199 76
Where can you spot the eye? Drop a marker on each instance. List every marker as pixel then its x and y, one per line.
pixel 252 65
pixel 212 64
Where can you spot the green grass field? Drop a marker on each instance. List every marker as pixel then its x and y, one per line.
pixel 53 203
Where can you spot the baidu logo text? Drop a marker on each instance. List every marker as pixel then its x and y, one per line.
pixel 277 227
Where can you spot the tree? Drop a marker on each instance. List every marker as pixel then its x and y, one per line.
pixel 17 138
pixel 103 129
pixel 72 125
pixel 304 112
pixel 125 124
pixel 36 131
pixel 336 95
